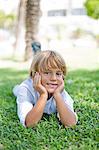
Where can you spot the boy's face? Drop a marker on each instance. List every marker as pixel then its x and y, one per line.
pixel 51 79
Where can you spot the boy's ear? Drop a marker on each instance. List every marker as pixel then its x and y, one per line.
pixel 33 73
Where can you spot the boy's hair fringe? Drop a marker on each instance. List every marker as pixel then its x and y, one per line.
pixel 45 60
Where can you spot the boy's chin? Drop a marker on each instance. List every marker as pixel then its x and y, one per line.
pixel 51 91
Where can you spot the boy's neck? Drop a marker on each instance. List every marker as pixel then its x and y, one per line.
pixel 49 96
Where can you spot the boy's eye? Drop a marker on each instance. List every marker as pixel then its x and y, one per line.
pixel 49 73
pixel 46 72
pixel 59 73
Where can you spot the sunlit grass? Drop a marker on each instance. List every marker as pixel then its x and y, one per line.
pixel 49 134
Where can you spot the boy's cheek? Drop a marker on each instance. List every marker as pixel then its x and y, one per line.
pixel 43 79
pixel 61 80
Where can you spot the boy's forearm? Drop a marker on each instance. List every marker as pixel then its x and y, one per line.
pixel 36 113
pixel 67 117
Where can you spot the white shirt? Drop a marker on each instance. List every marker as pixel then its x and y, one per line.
pixel 27 97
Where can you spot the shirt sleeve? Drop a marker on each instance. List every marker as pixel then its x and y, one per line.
pixel 24 104
pixel 69 101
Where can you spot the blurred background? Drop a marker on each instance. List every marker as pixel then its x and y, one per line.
pixel 70 27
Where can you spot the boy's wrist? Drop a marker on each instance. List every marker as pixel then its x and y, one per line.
pixel 56 94
pixel 44 95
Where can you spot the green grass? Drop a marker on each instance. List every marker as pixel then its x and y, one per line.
pixel 49 134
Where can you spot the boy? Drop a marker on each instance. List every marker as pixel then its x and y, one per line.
pixel 43 91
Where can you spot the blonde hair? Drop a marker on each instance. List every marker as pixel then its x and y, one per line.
pixel 45 60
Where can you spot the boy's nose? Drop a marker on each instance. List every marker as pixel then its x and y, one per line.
pixel 53 76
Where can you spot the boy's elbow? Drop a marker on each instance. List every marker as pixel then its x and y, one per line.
pixel 28 124
pixel 72 122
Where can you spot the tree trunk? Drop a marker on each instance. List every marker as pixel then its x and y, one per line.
pixel 20 30
pixel 31 21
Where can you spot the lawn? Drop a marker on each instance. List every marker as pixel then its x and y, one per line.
pixel 49 134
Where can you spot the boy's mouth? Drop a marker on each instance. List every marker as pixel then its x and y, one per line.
pixel 52 85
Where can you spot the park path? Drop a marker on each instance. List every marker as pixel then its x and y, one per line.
pixel 74 58
pixel 14 64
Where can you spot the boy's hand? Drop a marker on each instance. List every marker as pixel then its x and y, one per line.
pixel 60 88
pixel 37 84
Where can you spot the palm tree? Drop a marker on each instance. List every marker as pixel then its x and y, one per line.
pixel 33 14
pixel 20 29
pixel 27 27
